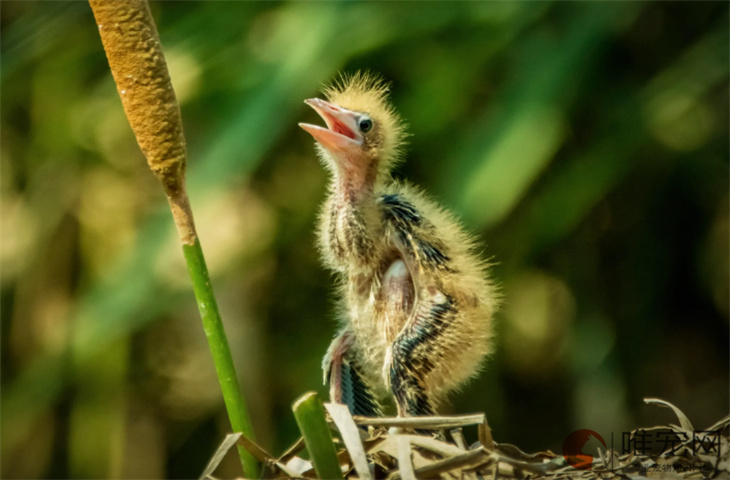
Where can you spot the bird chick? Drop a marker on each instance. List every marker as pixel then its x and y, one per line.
pixel 416 304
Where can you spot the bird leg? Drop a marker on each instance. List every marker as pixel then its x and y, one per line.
pixel 413 354
pixel 345 376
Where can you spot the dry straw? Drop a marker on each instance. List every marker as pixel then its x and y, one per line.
pixel 378 450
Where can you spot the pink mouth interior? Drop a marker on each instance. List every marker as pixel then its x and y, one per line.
pixel 339 127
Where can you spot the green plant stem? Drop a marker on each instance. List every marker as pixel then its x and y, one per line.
pixel 216 334
pixel 309 413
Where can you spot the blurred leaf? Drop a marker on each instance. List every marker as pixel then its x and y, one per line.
pixel 522 140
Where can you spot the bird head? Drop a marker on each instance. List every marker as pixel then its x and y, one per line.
pixel 363 133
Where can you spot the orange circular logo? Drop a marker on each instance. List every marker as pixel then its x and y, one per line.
pixel 573 448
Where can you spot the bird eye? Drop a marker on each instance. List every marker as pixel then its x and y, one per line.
pixel 365 124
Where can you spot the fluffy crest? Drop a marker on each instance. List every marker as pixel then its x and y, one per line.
pixel 367 92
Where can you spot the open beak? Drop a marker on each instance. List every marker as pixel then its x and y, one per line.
pixel 341 133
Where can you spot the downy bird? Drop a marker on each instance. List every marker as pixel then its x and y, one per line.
pixel 416 302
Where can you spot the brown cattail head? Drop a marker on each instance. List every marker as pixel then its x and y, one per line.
pixel 138 66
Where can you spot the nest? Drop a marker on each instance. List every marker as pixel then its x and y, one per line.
pixel 388 448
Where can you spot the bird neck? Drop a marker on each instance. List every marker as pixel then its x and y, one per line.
pixel 350 226
pixel 355 188
pixel 352 195
pixel 354 175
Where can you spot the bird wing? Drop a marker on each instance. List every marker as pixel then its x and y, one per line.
pixel 415 236
pixel 415 348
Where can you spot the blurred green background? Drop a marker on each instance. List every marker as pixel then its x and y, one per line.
pixel 585 144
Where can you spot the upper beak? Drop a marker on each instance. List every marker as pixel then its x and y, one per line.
pixel 341 132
